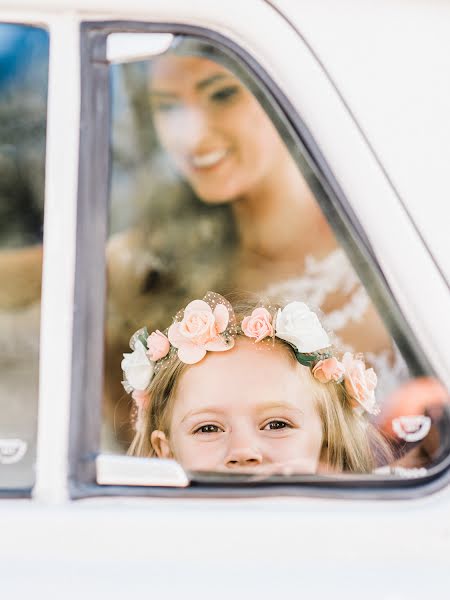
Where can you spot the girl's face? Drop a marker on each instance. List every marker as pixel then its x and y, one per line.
pixel 212 127
pixel 248 409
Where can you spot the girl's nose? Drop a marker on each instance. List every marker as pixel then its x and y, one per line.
pixel 243 454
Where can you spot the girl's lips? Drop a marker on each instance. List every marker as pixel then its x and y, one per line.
pixel 207 160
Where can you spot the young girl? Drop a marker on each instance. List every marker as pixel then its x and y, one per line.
pixel 251 390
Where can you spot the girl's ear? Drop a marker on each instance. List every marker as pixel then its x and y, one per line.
pixel 160 444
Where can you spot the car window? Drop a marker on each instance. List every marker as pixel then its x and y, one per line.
pixel 247 327
pixel 23 105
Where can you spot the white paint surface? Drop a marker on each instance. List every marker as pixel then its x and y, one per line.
pixel 228 549
pixel 61 188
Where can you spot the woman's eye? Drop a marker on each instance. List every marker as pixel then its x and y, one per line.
pixel 276 425
pixel 225 94
pixel 208 429
pixel 165 107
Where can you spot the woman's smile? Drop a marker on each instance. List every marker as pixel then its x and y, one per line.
pixel 206 161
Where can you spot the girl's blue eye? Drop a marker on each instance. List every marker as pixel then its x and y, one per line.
pixel 225 94
pixel 276 425
pixel 208 429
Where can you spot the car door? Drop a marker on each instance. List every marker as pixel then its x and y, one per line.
pixel 216 534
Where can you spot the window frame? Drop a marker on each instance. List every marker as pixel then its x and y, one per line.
pixel 90 284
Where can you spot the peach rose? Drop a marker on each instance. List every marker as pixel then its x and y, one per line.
pixel 360 383
pixel 199 331
pixel 141 400
pixel 328 369
pixel 158 345
pixel 258 325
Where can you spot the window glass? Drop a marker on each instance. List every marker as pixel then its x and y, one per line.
pixel 290 369
pixel 23 103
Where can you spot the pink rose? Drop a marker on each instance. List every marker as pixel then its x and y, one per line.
pixel 158 345
pixel 329 369
pixel 141 398
pixel 199 331
pixel 258 325
pixel 360 383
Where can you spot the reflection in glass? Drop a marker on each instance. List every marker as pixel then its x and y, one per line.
pixel 23 100
pixel 205 195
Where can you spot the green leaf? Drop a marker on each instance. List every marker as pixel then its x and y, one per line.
pixel 142 337
pixel 309 359
pixel 306 360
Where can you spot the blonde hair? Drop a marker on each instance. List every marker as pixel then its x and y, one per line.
pixel 350 443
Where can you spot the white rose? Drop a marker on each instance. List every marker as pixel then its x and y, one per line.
pixel 137 367
pixel 299 326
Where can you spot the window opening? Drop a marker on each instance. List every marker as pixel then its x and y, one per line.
pixel 211 189
pixel 23 104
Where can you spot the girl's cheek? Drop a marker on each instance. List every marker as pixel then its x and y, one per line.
pixel 198 459
pixel 281 448
pixel 298 445
pixel 199 452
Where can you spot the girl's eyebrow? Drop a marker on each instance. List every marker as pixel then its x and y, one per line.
pixel 264 407
pixel 203 411
pixel 280 405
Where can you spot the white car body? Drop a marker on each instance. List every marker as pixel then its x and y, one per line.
pixel 370 81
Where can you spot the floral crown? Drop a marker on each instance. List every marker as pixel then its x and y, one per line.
pixel 209 325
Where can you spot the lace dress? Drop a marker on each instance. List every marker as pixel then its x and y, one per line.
pixel 321 280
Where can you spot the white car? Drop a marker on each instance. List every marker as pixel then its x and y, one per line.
pixel 365 87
